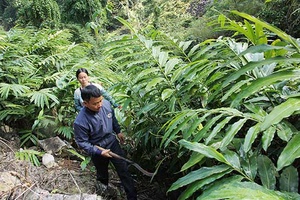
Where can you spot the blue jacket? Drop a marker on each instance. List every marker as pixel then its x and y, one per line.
pixel 78 101
pixel 96 128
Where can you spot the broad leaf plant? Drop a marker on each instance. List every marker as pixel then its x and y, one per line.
pixel 221 116
pixel 226 110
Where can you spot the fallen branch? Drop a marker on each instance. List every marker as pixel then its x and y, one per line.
pixel 74 181
pixel 28 188
pixel 4 142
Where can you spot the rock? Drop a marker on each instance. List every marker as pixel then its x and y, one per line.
pixel 60 148
pixel 48 160
pixel 10 182
pixel 52 145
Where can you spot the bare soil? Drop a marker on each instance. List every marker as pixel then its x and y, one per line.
pixel 66 178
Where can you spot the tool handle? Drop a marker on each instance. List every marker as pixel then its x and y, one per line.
pixel 114 155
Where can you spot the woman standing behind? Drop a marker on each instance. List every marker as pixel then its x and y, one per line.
pixel 82 76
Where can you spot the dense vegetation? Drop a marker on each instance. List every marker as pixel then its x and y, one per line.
pixel 210 98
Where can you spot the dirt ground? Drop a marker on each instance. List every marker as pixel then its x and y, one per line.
pixel 66 178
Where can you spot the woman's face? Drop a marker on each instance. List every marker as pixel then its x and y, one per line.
pixel 83 79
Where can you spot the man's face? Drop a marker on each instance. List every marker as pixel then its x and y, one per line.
pixel 94 104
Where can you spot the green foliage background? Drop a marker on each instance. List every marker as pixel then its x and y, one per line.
pixel 210 98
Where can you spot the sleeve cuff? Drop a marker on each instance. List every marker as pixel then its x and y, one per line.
pixel 98 151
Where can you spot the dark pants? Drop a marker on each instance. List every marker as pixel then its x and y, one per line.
pixel 101 164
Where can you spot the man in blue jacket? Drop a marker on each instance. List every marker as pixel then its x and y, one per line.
pixel 96 125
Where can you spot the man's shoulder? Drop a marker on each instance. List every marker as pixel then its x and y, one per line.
pixel 106 103
pixel 81 116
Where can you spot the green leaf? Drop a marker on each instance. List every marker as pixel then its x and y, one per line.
pixel 237 190
pixel 156 51
pixel 261 48
pixel 266 170
pixel 249 166
pixel 259 83
pixel 85 163
pixel 234 89
pixel 194 159
pixel 29 155
pixel 171 64
pixel 268 136
pixel 163 57
pixel 65 131
pixel 233 159
pixel 41 97
pixel 35 124
pixel 16 89
pixel 146 72
pixel 166 93
pixel 261 37
pixel 222 20
pixel 146 108
pixel 195 126
pixel 199 174
pixel 173 125
pixel 285 130
pixel 234 128
pixel 250 32
pixel 280 112
pixel 172 104
pixel 256 109
pixel 202 133
pixel 74 152
pixel 195 186
pixel 181 127
pixel 289 153
pixel 148 43
pixel 251 136
pixel 185 45
pixel 35 160
pixel 177 74
pixel 205 150
pixel 217 129
pixel 219 184
pixel 274 29
pixel 252 65
pixel 289 180
pixel 124 22
pixel 193 50
pixel 153 83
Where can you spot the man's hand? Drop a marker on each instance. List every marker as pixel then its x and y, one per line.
pixel 121 138
pixel 105 153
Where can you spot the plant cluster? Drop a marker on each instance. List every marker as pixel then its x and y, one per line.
pixel 284 15
pixel 224 109
pixel 37 82
pixel 215 116
pixel 182 18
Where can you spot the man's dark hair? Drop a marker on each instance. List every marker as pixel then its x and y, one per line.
pixel 90 91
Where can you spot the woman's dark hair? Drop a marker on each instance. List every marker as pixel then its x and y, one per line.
pixel 90 91
pixel 81 70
